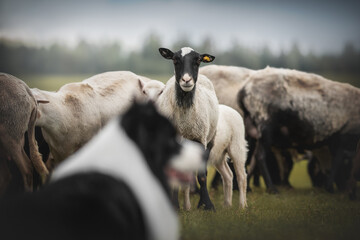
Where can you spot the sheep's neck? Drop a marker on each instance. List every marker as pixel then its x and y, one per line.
pixel 184 99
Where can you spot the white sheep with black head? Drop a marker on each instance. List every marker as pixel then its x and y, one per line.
pixel 229 141
pixel 190 102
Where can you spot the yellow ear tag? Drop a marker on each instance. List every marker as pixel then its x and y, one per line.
pixel 206 58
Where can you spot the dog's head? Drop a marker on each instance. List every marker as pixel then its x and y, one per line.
pixel 169 157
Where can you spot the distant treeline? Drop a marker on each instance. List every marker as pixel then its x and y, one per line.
pixel 19 58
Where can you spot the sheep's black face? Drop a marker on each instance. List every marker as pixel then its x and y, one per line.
pixel 186 64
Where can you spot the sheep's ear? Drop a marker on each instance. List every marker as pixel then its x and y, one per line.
pixel 42 101
pixel 38 96
pixel 166 53
pixel 141 84
pixel 162 90
pixel 207 58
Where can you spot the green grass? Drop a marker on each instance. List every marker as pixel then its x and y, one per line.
pixel 292 214
pixel 299 213
pixel 51 82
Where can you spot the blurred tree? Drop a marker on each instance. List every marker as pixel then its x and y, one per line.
pixel 294 57
pixel 19 58
pixel 266 57
pixel 182 41
pixel 206 46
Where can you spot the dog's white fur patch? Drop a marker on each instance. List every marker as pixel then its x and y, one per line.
pixel 186 50
pixel 190 157
pixel 112 152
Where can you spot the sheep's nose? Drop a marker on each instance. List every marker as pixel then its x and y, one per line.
pixel 186 78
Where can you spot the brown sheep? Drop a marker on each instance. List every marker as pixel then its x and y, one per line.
pixel 301 110
pixel 18 111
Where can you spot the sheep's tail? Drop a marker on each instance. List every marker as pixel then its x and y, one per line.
pixel 35 156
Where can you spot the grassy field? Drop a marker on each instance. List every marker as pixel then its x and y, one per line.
pixel 299 213
pixel 292 214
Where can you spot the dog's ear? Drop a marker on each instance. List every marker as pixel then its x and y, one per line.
pixel 137 121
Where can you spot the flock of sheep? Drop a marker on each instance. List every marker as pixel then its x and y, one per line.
pixel 224 108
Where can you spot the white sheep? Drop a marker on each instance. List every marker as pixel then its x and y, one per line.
pixel 78 110
pixel 190 102
pixel 229 139
pixel 18 110
pixel 151 89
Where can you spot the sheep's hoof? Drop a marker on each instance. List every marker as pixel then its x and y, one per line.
pixel 206 206
pixel 287 186
pixel 352 196
pixel 272 190
pixel 329 188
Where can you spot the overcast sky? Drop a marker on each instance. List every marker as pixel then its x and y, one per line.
pixel 317 26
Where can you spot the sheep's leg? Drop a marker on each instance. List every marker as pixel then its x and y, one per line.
pixel 260 154
pixel 227 178
pixel 5 176
pixel 251 172
pixel 25 167
pixel 250 161
pixel 50 163
pixel 288 165
pixel 355 173
pixel 337 154
pixel 34 150
pixel 204 194
pixel 238 156
pixel 175 198
pixel 187 203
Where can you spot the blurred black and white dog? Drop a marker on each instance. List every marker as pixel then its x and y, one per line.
pixel 115 187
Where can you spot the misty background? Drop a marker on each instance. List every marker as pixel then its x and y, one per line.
pixel 39 37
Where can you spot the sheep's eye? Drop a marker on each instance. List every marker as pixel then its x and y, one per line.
pixel 144 92
pixel 161 92
pixel 198 61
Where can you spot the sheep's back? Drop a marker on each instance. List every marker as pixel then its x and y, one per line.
pixel 329 106
pixel 16 104
pixel 227 81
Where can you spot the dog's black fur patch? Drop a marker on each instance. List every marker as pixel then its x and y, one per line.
pixel 83 206
pixel 93 205
pixel 155 136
